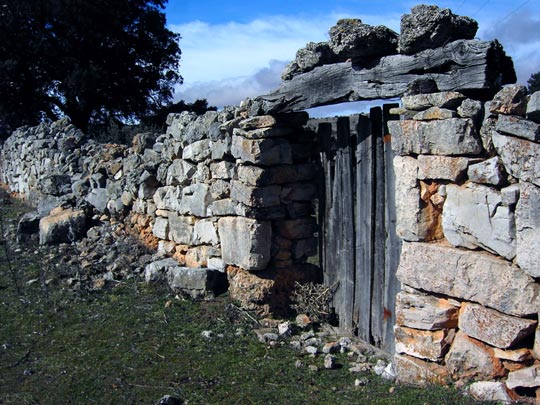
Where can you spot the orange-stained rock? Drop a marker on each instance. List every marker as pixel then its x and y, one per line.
pixel 414 371
pixel 423 344
pixel 493 327
pixel 425 311
pixel 470 359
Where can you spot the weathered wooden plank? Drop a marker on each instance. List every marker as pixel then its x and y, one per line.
pixel 379 230
pixel 363 224
pixel 464 65
pixel 327 232
pixel 341 217
pixel 393 242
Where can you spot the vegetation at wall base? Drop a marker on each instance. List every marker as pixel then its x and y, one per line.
pixel 131 343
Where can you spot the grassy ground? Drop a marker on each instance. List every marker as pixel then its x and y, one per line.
pixel 133 344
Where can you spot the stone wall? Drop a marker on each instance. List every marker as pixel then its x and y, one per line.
pixel 468 192
pixel 222 191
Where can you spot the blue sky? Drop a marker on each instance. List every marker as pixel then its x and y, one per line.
pixel 237 49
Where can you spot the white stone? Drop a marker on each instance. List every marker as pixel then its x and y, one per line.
pixel 490 171
pixel 245 242
pixel 528 229
pixel 473 216
pixel 526 377
pixel 471 276
pixel 205 233
pixel 160 228
pixel 490 391
pixel 520 157
pixel 197 151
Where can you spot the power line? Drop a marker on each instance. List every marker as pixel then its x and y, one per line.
pixel 481 7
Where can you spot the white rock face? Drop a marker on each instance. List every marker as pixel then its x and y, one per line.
pixel 528 227
pixel 520 156
pixel 471 276
pixel 245 242
pixel 490 391
pixel 473 216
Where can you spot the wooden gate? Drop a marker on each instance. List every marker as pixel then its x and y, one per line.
pixel 359 246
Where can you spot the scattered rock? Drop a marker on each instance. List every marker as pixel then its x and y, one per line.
pixel 429 27
pixel 64 225
pixel 510 100
pixel 491 391
pixel 350 38
pixel 329 362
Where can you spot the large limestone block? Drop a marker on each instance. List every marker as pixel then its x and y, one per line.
pixel 160 229
pixel 245 242
pixel 197 283
pixel 528 229
pixel 492 327
pixel 414 371
pixel 265 152
pixel 168 198
pixel 205 232
pixel 490 171
pixel 255 196
pixel 62 225
pixel 180 172
pixel 417 218
pixel 441 167
pixel 181 229
pixel 510 100
pixel 425 311
pixel 455 136
pixel 526 377
pixel 157 271
pixel 533 107
pixel 428 345
pixel 517 126
pixel 520 156
pixel 222 170
pixel 196 200
pixel 473 216
pixel 491 391
pixel 445 99
pixel 471 276
pixel 472 360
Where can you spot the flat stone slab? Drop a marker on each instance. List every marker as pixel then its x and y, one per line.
pixel 442 167
pixel 473 216
pixel 196 282
pixel 471 276
pixel 428 345
pixel 471 359
pixel 520 156
pixel 526 377
pixel 245 242
pixel 492 327
pixel 426 312
pixel 528 229
pixel 451 137
pixel 413 371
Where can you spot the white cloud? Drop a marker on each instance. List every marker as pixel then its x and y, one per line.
pixel 225 63
pixel 519 33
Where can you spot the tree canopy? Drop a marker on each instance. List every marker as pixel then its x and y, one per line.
pixel 89 60
pixel 534 82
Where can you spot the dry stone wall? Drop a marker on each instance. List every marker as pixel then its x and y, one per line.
pixel 219 192
pixel 468 192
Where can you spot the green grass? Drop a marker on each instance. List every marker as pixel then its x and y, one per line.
pixel 133 344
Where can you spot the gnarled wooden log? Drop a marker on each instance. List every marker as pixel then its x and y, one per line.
pixel 464 65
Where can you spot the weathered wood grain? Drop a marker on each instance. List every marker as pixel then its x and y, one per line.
pixel 464 65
